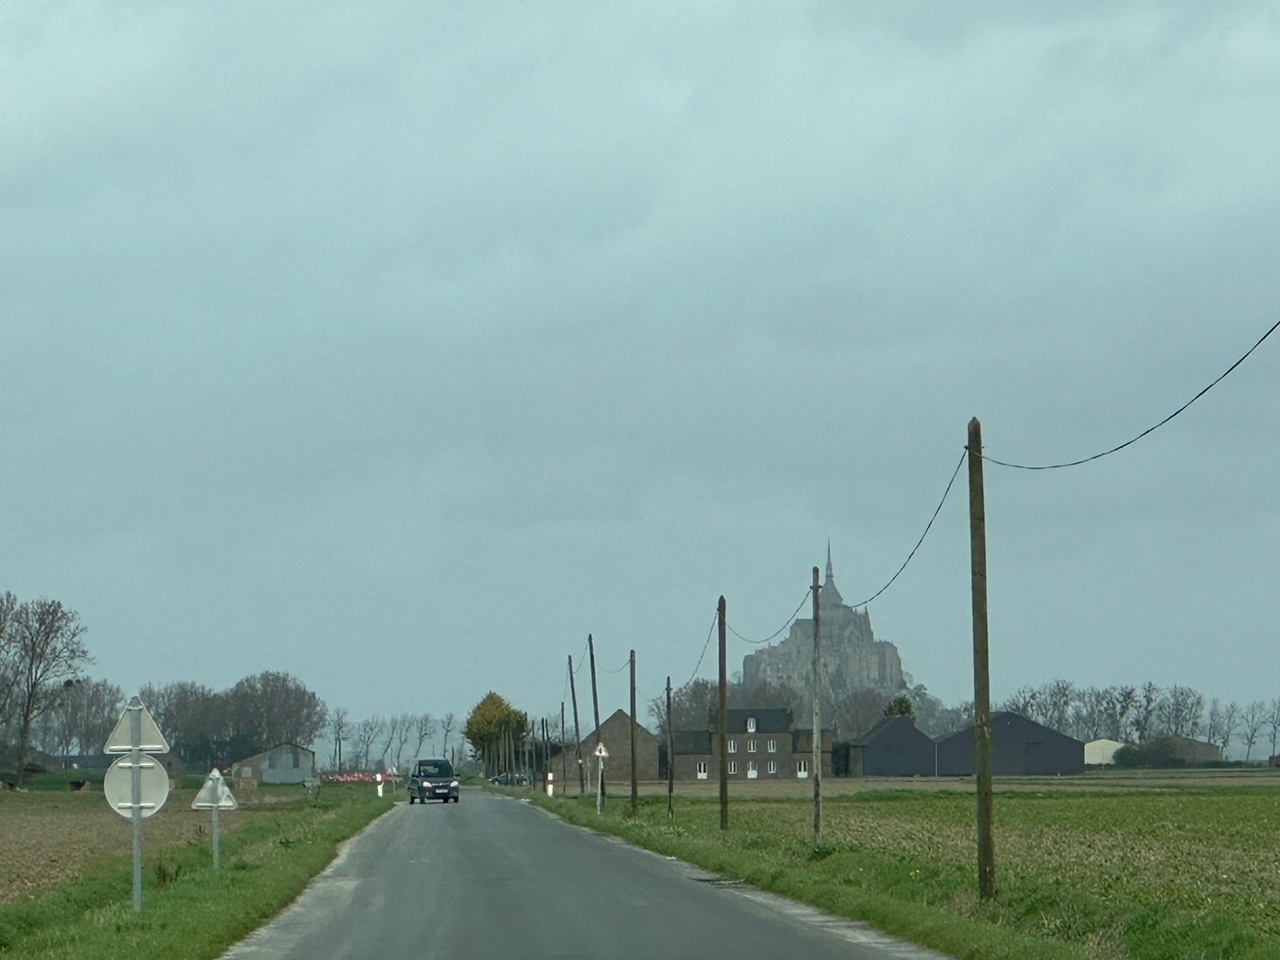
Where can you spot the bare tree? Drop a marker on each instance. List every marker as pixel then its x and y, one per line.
pixel 446 728
pixel 1252 718
pixel 404 730
pixel 1273 721
pixel 1023 702
pixel 424 723
pixel 1180 711
pixel 1229 720
pixel 1142 718
pixel 48 652
pixel 366 732
pixel 8 662
pixel 392 727
pixel 339 731
pixel 1213 721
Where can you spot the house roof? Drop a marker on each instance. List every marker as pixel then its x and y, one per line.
pixel 881 725
pixel 619 718
pixel 1003 721
pixel 768 720
pixel 691 741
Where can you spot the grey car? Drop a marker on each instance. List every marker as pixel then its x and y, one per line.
pixel 433 780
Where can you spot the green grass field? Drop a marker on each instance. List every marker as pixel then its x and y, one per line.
pixel 1183 873
pixel 189 911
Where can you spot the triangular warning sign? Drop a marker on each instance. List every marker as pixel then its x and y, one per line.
pixel 151 740
pixel 214 793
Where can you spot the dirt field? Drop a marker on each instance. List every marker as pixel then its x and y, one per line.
pixel 48 838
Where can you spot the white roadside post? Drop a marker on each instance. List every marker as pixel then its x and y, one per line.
pixel 215 795
pixel 601 753
pixel 378 779
pixel 141 778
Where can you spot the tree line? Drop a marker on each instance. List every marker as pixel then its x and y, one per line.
pixel 381 742
pixel 1138 714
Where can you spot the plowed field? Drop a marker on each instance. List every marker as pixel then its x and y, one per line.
pixel 48 838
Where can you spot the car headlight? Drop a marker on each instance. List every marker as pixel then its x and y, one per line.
pixel 454 784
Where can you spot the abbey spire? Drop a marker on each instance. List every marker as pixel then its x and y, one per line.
pixel 830 595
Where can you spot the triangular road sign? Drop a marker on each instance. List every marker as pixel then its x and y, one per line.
pixel 601 752
pixel 121 741
pixel 214 793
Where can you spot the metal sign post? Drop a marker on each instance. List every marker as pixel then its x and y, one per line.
pixel 148 785
pixel 215 796
pixel 601 753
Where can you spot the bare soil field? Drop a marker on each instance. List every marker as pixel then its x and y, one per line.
pixel 49 838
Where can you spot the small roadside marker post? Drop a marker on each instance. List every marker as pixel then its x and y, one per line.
pixel 215 795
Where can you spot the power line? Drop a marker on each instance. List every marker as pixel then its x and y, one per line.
pixel 710 631
pixel 790 620
pixel 1151 429
pixel 928 526
pixel 625 663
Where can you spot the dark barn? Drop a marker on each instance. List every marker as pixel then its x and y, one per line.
pixel 894 747
pixel 1019 748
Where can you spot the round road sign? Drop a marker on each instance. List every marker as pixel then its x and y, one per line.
pixel 117 786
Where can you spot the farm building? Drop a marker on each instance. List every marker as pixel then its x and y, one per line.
pixel 1191 751
pixel 1098 753
pixel 1019 748
pixel 761 744
pixel 894 747
pixel 616 734
pixel 283 763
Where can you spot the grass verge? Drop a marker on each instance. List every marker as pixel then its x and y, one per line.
pixel 189 910
pixel 1158 875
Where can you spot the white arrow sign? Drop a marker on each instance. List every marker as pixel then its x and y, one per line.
pixel 214 794
pixel 600 751
pixel 151 741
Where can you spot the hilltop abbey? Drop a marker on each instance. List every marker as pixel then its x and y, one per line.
pixel 851 655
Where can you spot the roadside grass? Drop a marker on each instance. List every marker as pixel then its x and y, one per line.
pixel 1178 874
pixel 189 910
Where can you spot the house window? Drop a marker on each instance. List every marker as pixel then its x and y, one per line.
pixel 733 767
pixel 702 769
pixel 753 771
pixel 772 745
pixel 802 769
pixel 773 766
pixel 733 746
pixel 751 746
pixel 751 724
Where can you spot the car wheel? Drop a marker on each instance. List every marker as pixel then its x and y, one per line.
pixel 411 799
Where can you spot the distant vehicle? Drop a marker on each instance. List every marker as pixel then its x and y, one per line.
pixel 507 779
pixel 433 780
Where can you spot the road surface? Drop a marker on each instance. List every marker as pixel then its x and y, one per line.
pixel 495 877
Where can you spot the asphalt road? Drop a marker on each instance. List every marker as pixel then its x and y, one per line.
pixel 492 877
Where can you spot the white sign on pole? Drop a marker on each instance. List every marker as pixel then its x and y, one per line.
pixel 214 794
pixel 121 739
pixel 601 752
pixel 117 786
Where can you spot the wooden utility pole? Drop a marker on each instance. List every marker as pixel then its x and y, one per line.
pixel 564 757
pixel 981 673
pixel 817 716
pixel 595 709
pixel 635 787
pixel 671 756
pixel 577 733
pixel 546 756
pixel 724 721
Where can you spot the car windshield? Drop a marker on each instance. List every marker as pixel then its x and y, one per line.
pixel 435 768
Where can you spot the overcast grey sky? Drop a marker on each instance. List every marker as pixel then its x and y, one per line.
pixel 400 346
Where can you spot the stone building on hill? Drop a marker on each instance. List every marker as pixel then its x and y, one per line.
pixel 851 655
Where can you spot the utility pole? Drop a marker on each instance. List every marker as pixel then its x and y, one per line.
pixel 635 789
pixel 577 733
pixel 981 672
pixel 724 720
pixel 595 709
pixel 564 758
pixel 671 756
pixel 546 756
pixel 817 716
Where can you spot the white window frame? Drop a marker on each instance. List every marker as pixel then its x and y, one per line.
pixel 733 745
pixel 753 770
pixel 773 766
pixel 733 768
pixel 751 746
pixel 702 769
pixel 772 746
pixel 751 724
pixel 802 769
